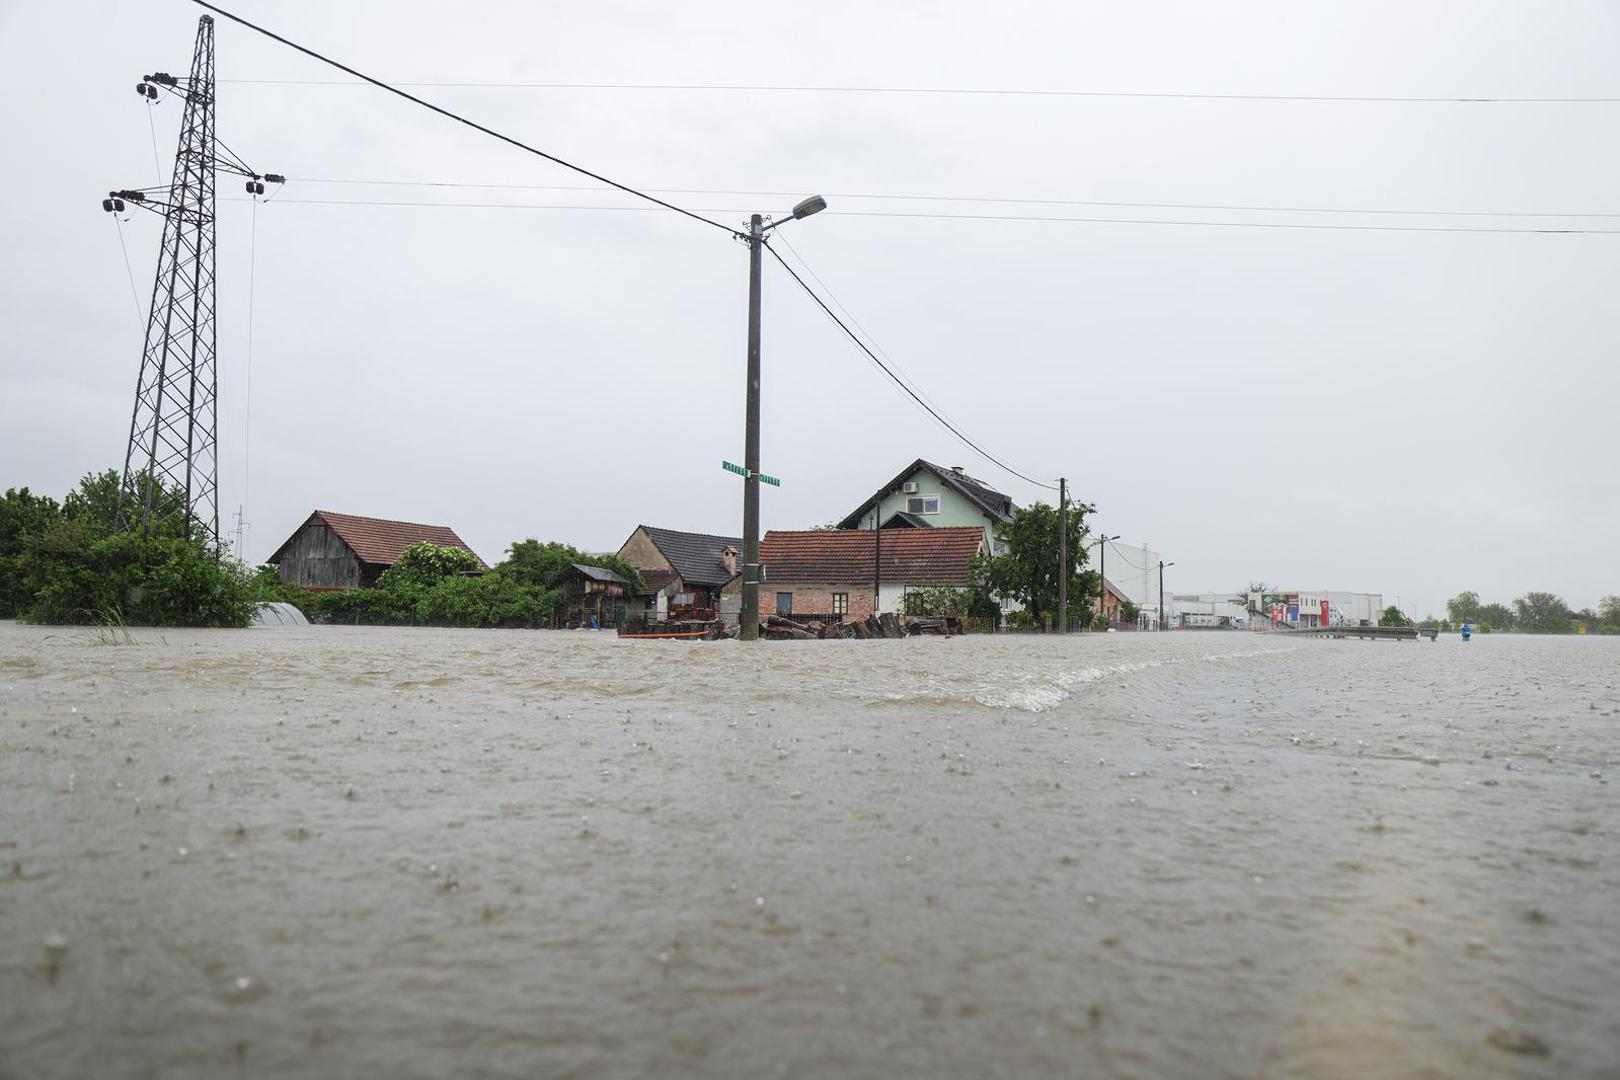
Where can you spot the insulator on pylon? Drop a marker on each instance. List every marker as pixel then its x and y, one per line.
pixel 118 205
pixel 275 178
pixel 107 205
pixel 162 78
pixel 255 188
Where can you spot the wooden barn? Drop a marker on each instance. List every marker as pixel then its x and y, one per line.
pixel 347 551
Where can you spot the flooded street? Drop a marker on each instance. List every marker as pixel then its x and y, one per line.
pixel 392 852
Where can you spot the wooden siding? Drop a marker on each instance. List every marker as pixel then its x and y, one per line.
pixel 318 559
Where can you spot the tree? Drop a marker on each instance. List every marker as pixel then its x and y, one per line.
pixel 1609 611
pixel 22 515
pixel 1028 571
pixel 1129 613
pixel 1542 613
pixel 423 565
pixel 532 563
pixel 1392 617
pixel 1500 616
pixel 1464 607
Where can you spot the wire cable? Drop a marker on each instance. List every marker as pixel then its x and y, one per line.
pixel 1245 208
pixel 970 91
pixel 800 259
pixel 953 429
pixel 247 395
pixel 1330 227
pixel 463 120
pixel 134 293
pixel 151 126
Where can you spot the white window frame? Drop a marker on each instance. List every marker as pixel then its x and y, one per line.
pixel 922 500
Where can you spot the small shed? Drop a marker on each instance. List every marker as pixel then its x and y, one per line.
pixel 593 597
pixel 347 551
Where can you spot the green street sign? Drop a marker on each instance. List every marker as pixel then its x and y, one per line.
pixel 740 471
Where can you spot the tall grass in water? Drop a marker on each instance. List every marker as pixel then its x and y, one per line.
pixel 107 627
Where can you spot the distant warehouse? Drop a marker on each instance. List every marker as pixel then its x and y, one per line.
pixel 347 551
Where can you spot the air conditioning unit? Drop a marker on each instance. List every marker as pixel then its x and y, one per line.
pixel 909 487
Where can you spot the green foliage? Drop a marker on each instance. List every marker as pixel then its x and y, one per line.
pixel 1609 611
pixel 530 562
pixel 423 565
pixel 1484 627
pixel 266 587
pixel 1542 613
pixel 1129 612
pixel 77 575
pixel 1028 571
pixel 63 564
pixel 1498 615
pixel 491 600
pixel 935 600
pixel 1392 617
pixel 1099 621
pixel 430 585
pixel 22 515
pixel 1464 607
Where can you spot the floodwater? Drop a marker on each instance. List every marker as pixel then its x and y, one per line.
pixel 350 852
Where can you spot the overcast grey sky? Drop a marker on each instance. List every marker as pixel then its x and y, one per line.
pixel 1415 413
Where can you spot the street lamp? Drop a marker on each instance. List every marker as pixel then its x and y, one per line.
pixel 748 628
pixel 1162 623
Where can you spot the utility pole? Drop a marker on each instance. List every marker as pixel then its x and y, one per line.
pixel 877 557
pixel 748 625
pixel 1164 623
pixel 748 629
pixel 171 460
pixel 1063 555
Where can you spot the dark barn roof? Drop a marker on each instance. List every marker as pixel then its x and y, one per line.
pixel 597 573
pixel 695 556
pixel 937 556
pixel 995 505
pixel 379 540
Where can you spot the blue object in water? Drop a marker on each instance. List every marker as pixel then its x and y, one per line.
pixel 1467 631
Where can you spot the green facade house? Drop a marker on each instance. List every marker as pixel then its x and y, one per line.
pixel 928 496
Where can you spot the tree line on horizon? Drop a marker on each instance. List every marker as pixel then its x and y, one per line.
pixel 1532 613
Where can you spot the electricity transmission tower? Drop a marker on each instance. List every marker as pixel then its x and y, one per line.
pixel 171 465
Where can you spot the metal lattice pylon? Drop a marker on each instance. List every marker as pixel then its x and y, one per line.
pixel 173 448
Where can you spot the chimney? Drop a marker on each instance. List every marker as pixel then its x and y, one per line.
pixel 958 470
pixel 728 559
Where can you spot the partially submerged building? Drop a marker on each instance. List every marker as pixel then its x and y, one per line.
pixel 854 573
pixel 683 572
pixel 348 551
pixel 594 597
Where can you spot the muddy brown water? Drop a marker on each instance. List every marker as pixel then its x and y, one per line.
pixel 396 853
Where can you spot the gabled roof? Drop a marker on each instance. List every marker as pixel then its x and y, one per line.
pixel 695 556
pixel 598 573
pixel 996 506
pixel 939 556
pixel 379 540
pixel 900 519
pixel 1119 594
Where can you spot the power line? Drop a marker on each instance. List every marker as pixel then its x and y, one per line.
pixel 980 217
pixel 953 429
pixel 463 120
pixel 965 91
pixel 1246 208
pixel 134 293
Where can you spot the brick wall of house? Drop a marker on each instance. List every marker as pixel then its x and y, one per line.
pixel 818 599
pixel 810 599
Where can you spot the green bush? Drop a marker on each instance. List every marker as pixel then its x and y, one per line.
pixel 491 600
pixel 76 576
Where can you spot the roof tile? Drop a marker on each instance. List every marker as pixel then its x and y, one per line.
pixel 839 556
pixel 378 540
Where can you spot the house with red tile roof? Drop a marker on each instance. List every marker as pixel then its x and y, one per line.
pixel 347 551
pixel 841 571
